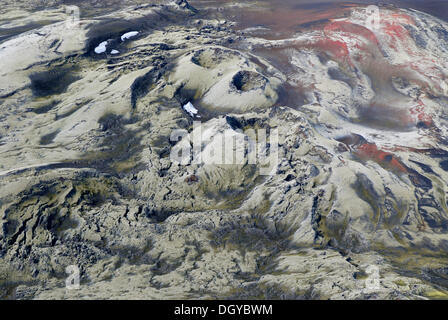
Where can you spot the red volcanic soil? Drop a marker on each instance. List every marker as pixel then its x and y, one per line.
pixel 285 21
pixel 422 117
pixel 351 29
pixel 369 151
pixel 355 47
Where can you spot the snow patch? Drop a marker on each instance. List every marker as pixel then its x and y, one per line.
pixel 192 111
pixel 129 35
pixel 101 47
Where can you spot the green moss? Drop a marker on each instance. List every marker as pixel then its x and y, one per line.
pixel 436 295
pixel 366 193
pixel 10 279
pixel 400 283
pixel 48 138
pixel 231 197
pixel 53 81
pixel 44 108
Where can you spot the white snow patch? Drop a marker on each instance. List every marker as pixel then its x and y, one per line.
pixel 101 47
pixel 129 35
pixel 192 111
pixel 114 52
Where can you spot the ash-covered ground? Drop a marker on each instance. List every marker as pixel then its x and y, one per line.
pixel 98 98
